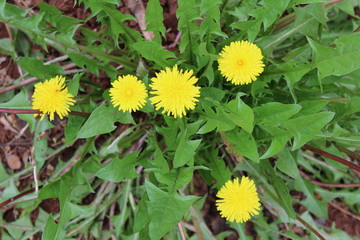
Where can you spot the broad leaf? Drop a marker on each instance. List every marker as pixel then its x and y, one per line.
pixel 119 168
pixel 102 120
pixel 165 209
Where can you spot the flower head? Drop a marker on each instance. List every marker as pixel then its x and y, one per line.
pixel 52 97
pixel 129 93
pixel 239 200
pixel 175 91
pixel 240 62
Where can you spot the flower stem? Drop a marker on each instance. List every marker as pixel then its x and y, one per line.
pixel 19 111
pixel 331 156
pixel 32 111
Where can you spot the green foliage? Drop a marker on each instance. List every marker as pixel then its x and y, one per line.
pixel 136 175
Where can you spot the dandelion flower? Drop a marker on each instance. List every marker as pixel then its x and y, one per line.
pixel 240 63
pixel 239 200
pixel 175 91
pixel 129 93
pixel 52 97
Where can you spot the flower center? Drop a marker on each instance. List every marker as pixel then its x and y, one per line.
pixel 128 92
pixel 240 63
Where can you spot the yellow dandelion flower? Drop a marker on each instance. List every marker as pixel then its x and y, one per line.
pixel 240 62
pixel 175 91
pixel 129 93
pixel 239 200
pixel 52 97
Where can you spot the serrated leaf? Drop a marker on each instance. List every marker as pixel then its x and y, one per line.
pixel 187 16
pixel 287 164
pixel 142 217
pixel 241 114
pixel 177 178
pixel 280 187
pixel 217 119
pixel 278 140
pixel 220 172
pixel 210 23
pixel 102 120
pixel 343 59
pixel 37 68
pixel 165 209
pixel 154 19
pixel 119 168
pixel 306 127
pixel 311 203
pixel 153 51
pixel 244 144
pixel 274 113
pixel 185 151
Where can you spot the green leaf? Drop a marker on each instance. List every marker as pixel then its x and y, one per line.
pixel 142 217
pixel 50 229
pixel 274 113
pixel 92 65
pixel 311 203
pixel 278 140
pixel 215 120
pixel 154 19
pixel 38 69
pixel 177 178
pixel 219 171
pixel 165 209
pixel 312 106
pixel 287 164
pixel 118 26
pixel 241 114
pixel 153 51
pixel 210 24
pixel 306 127
pixel 211 92
pixel 74 84
pixel 185 151
pixel 160 160
pixel 72 128
pixel 343 59
pixel 187 16
pixel 51 190
pixel 244 144
pixel 102 120
pixel 119 169
pixel 280 187
pixel 7 48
